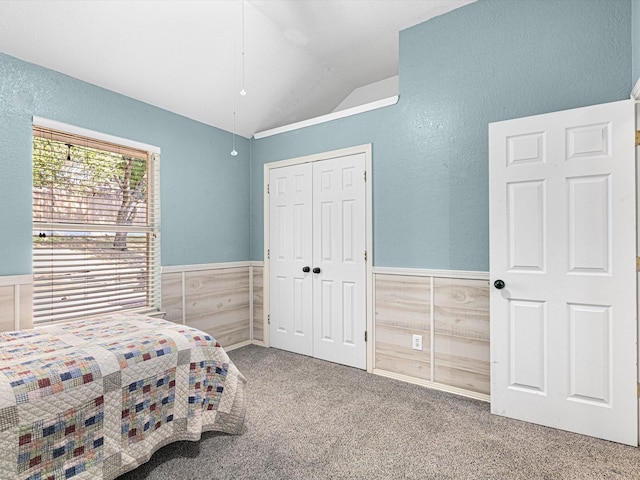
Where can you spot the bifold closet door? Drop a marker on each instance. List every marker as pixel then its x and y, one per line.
pixel 317 273
pixel 290 244
pixel 339 289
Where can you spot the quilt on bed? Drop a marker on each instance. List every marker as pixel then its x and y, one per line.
pixel 95 398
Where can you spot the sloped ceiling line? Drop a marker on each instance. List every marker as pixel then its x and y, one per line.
pixel 302 58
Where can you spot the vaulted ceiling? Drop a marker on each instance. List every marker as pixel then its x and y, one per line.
pixel 301 57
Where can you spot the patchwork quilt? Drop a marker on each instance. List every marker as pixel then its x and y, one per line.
pixel 95 398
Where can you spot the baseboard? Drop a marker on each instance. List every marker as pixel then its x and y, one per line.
pixel 433 385
pixel 244 344
pixel 238 345
pixel 396 376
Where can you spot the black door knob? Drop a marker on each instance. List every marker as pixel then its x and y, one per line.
pixel 316 269
pixel 499 284
pixel 306 269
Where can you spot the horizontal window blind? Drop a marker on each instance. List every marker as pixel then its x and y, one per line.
pixel 96 235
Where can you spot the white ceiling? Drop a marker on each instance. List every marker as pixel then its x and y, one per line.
pixel 302 57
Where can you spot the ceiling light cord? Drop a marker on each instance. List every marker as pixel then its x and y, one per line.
pixel 243 92
pixel 234 152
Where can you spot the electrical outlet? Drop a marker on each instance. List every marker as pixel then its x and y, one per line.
pixel 417 342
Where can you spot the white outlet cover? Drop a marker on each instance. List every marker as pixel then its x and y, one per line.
pixel 417 342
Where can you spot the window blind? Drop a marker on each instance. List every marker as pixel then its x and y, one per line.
pixel 96 227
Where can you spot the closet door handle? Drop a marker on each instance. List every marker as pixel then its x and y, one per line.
pixel 316 269
pixel 306 269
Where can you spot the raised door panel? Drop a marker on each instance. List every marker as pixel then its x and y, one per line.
pixel 527 362
pixel 590 353
pixel 590 221
pixel 526 225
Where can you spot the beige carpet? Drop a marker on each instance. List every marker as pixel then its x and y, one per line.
pixel 308 419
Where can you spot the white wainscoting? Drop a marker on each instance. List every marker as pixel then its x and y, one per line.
pixel 212 297
pixel 257 304
pixel 223 299
pixel 450 309
pixel 16 298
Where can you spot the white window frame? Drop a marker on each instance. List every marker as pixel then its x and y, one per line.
pixel 153 195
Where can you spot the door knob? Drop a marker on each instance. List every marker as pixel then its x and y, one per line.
pixel 499 284
pixel 316 269
pixel 306 269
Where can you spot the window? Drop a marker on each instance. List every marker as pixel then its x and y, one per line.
pixel 96 243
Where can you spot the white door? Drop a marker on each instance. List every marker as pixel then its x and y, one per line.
pixel 290 243
pixel 339 293
pixel 317 276
pixel 563 231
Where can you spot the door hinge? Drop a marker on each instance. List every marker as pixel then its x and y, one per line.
pixel 365 336
pixel 365 173
pixel 637 138
pixel 269 319
pixel 268 188
pixel 365 255
pixel 639 390
pixel 637 264
pixel 268 253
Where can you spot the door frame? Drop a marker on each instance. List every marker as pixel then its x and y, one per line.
pixel 343 152
pixel 637 128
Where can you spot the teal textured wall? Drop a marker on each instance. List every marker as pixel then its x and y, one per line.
pixel 204 191
pixel 635 29
pixel 488 61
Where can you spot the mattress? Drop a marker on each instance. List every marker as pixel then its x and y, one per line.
pixel 95 398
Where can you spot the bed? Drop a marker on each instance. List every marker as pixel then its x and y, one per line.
pixel 95 398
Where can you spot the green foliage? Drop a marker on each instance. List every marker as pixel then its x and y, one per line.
pixel 68 171
pixel 48 160
pixel 55 165
pixel 138 168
